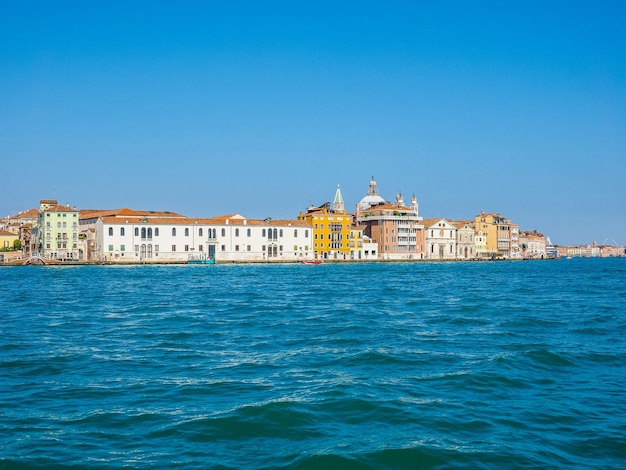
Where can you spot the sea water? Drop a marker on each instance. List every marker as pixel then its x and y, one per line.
pixel 375 365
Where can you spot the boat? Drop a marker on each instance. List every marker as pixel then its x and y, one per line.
pixel 311 261
pixel 200 259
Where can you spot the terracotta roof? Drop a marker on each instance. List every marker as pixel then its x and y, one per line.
pixel 432 221
pixel 381 207
pixel 6 233
pixel 461 223
pixel 125 212
pixel 27 214
pixel 60 208
pixel 204 221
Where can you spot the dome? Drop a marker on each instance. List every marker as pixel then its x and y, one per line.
pixel 372 198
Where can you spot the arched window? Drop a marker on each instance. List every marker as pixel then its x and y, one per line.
pixel 156 232
pixel 200 231
pixel 248 232
pixel 275 234
pixel 281 233
pixel 150 233
pixel 236 232
pixel 223 232
pixel 143 233
pixel 263 233
pixel 295 233
pixel 122 231
pixel 173 231
pixel 306 234
pixel 186 232
pixel 111 231
pixel 136 231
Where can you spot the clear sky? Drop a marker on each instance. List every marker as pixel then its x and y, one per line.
pixel 262 108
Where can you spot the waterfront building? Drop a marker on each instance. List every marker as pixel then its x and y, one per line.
pixel 480 243
pixel 532 244
pixel 497 230
pixel 514 248
pixel 7 239
pixel 331 227
pixel 397 229
pixel 55 235
pixel 465 233
pixel 229 238
pixel 21 225
pixel 439 239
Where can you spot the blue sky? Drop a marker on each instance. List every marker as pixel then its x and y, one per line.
pixel 262 108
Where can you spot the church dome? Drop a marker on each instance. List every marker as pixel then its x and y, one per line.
pixel 372 198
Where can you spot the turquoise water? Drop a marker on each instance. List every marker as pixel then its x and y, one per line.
pixel 409 365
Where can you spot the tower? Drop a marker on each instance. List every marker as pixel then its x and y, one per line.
pixel 414 206
pixel 338 201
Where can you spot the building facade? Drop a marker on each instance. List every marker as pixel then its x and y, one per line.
pixel 497 231
pixel 231 238
pixel 439 239
pixel 397 229
pixel 56 233
pixel 331 227
pixel 465 245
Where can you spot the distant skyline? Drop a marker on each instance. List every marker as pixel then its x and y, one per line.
pixel 262 108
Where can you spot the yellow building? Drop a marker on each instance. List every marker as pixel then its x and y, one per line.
pixel 497 230
pixel 7 240
pixel 331 229
pixel 356 242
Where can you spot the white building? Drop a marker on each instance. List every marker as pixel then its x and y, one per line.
pixel 439 239
pixel 231 238
pixel 465 248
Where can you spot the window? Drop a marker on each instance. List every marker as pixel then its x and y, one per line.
pixel 156 248
pixel 236 232
pixel 295 233
pixel 249 248
pixel 263 233
pixel 110 231
pixel 136 232
pixel 173 247
pixel 186 247
pixel 122 247
pixel 223 233
pixel 136 247
pixel 200 248
pixel 249 232
pixel 156 232
pixel 110 247
pixel 200 231
pixel 150 234
pixel 236 247
pixel 186 231
pixel 281 232
pixel 173 231
pixel 223 247
pixel 306 234
pixel 122 233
